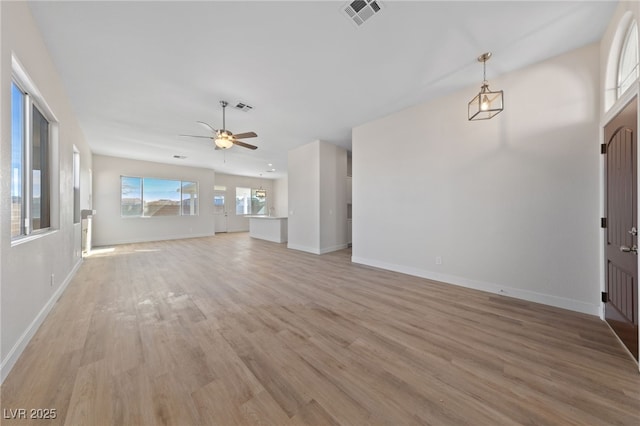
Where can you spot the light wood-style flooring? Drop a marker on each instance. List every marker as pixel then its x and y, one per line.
pixel 230 330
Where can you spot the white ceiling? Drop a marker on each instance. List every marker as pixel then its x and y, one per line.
pixel 140 73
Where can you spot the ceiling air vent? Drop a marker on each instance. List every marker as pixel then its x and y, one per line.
pixel 243 107
pixel 360 10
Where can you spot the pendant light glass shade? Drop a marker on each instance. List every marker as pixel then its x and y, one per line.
pixel 223 141
pixel 486 104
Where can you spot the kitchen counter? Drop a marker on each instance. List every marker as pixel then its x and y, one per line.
pixel 270 228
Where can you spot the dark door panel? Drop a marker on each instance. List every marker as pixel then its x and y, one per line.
pixel 621 308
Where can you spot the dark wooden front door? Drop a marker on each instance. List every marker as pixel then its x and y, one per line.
pixel 621 308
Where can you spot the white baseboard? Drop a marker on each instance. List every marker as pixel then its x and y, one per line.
pixel 531 296
pixel 149 240
pixel 311 250
pixel 334 248
pixel 315 250
pixel 15 352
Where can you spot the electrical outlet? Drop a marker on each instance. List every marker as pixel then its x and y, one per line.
pixel 53 278
pixel 438 260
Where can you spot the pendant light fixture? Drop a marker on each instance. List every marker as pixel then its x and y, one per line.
pixel 261 194
pixel 485 104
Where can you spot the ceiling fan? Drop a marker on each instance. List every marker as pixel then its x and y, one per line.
pixel 223 138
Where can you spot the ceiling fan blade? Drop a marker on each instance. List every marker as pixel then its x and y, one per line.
pixel 245 145
pixel 206 126
pixel 245 135
pixel 198 136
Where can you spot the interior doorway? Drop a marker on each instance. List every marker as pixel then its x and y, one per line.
pixel 621 236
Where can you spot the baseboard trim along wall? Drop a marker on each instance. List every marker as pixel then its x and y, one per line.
pixel 334 248
pixel 530 296
pixel 150 240
pixel 314 250
pixel 311 250
pixel 15 352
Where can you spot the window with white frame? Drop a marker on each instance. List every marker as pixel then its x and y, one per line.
pixel 30 165
pixel 259 201
pixel 251 201
pixel 243 201
pixel 628 63
pixel 147 197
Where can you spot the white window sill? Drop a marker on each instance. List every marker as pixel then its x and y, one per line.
pixel 35 236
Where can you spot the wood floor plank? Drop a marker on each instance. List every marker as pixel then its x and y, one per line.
pixel 231 330
pixel 91 400
pixel 237 379
pixel 172 401
pixel 132 385
pixel 263 410
pixel 216 406
pixel 317 385
pixel 313 414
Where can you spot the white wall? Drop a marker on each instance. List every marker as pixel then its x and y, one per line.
pixel 110 228
pixel 281 192
pixel 240 223
pixel 317 198
pixel 25 277
pixel 303 170
pixel 511 204
pixel 333 198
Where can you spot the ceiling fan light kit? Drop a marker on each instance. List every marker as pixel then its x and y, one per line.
pixel 486 104
pixel 223 138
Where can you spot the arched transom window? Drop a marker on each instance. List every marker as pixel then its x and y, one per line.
pixel 628 64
